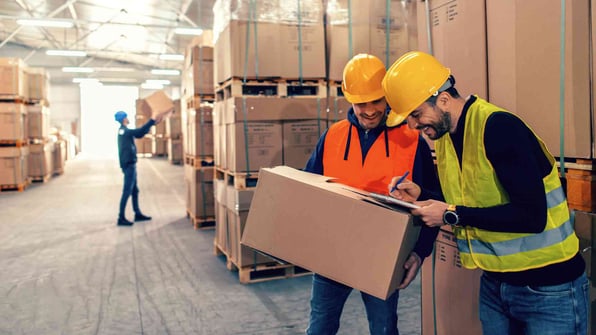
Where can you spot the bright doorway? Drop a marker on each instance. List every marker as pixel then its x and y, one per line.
pixel 98 128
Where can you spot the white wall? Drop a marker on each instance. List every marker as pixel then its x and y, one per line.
pixel 65 107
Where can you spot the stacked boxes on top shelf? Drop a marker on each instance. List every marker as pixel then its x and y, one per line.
pixel 270 101
pixel 196 129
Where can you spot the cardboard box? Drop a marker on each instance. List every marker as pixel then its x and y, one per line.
pixel 524 53
pixel 38 121
pixel 13 165
pixel 238 200
pixel 40 160
pixel 197 77
pixel 326 228
pixel 59 156
pixel 450 294
pixel 253 145
pixel 302 51
pixel 458 36
pixel 242 255
pixel 174 150
pixel 38 83
pixel 159 146
pixel 200 200
pixel 337 109
pixel 12 77
pixel 174 126
pixel 219 134
pixel 143 145
pixel 272 108
pixel 157 103
pixel 221 216
pixel 299 141
pixel 13 124
pixel 200 132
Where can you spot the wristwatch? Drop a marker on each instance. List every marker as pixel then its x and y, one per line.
pixel 450 216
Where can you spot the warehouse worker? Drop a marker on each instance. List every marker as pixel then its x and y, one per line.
pixel 503 199
pixel 127 152
pixel 363 152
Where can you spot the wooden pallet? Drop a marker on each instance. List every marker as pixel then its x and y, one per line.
pixel 58 172
pixel 271 87
pixel 13 143
pixel 14 187
pixel 195 101
pixel 200 161
pixel 12 98
pixel 41 179
pixel 176 161
pixel 43 102
pixel 240 180
pixel 220 251
pixel 207 222
pixel 272 271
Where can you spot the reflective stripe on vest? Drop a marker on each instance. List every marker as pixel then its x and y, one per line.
pixel 476 185
pixel 392 154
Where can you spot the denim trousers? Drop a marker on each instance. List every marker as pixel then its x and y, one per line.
pixel 534 310
pixel 327 302
pixel 129 189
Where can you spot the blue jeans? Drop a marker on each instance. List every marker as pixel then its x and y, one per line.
pixel 327 302
pixel 534 310
pixel 129 189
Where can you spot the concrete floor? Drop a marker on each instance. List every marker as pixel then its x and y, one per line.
pixel 66 268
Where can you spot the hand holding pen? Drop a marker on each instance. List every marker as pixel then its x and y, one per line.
pixel 408 190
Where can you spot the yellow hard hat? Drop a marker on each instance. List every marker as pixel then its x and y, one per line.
pixel 410 81
pixel 362 79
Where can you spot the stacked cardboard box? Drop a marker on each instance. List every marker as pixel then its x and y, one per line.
pixel 59 156
pixel 12 78
pixel 13 122
pixel 13 166
pixel 199 193
pixel 38 122
pixel 38 84
pixel 173 135
pixel 41 161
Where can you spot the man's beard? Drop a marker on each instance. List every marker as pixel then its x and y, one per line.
pixel 440 127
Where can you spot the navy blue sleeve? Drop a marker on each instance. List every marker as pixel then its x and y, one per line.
pixel 520 165
pixel 140 132
pixel 315 162
pixel 426 177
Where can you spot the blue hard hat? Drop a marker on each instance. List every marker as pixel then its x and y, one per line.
pixel 119 116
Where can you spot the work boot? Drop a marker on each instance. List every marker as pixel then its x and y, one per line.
pixel 141 217
pixel 124 222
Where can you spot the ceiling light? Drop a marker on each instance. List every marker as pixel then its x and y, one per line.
pixel 77 69
pixel 150 86
pixel 45 23
pixel 188 31
pixel 69 53
pixel 85 80
pixel 119 80
pixel 158 81
pixel 171 57
pixel 114 69
pixel 165 72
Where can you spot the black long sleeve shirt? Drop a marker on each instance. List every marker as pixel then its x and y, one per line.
pixel 127 150
pixel 519 163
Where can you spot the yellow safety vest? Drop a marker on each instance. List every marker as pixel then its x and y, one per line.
pixel 475 184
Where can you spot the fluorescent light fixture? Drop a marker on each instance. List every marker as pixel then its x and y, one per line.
pixel 119 80
pixel 171 57
pixel 158 81
pixel 149 86
pixel 84 80
pixel 77 69
pixel 114 69
pixel 165 72
pixel 188 31
pixel 68 53
pixel 45 23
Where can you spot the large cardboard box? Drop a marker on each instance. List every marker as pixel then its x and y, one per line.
pixel 197 77
pixel 458 39
pixel 265 109
pixel 200 132
pixel 157 103
pixel 253 145
pixel 242 255
pixel 302 51
pixel 38 121
pixel 337 109
pixel 200 200
pixel 59 156
pixel 38 83
pixel 307 220
pixel 159 146
pixel 449 291
pixel 12 78
pixel 299 141
pixel 174 126
pixel 41 160
pixel 221 241
pixel 219 134
pixel 13 124
pixel 13 165
pixel 143 145
pixel 524 61
pixel 175 151
pixel 362 28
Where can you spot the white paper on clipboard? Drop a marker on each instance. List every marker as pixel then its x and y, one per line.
pixel 391 200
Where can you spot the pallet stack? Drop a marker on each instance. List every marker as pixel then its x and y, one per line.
pixel 196 106
pixel 269 110
pixel 14 149
pixel 173 135
pixel 41 147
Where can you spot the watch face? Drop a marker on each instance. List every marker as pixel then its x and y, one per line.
pixel 450 218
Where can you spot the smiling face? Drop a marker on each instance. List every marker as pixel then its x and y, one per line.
pixel 370 114
pixel 431 120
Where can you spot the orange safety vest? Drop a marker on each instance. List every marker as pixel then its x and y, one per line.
pixel 392 154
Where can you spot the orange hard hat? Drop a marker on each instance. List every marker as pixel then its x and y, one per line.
pixel 410 81
pixel 362 79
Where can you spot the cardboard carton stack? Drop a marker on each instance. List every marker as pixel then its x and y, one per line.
pixel 270 102
pixel 157 103
pixel 173 135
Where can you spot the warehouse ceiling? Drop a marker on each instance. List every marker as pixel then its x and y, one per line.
pixel 122 39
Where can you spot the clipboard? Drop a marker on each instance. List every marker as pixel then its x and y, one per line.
pixel 386 199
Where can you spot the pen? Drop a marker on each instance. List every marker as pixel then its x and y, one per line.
pixel 399 181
